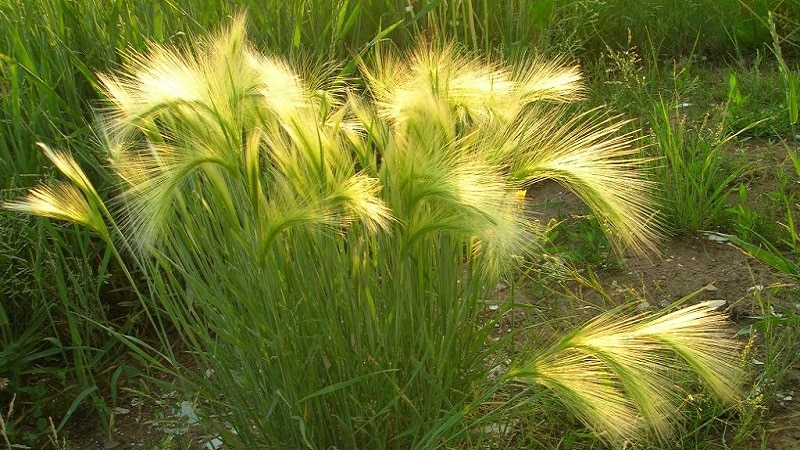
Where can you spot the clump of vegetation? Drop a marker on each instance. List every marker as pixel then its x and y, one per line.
pixel 67 303
pixel 696 179
pixel 327 255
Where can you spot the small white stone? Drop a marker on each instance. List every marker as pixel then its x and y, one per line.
pixel 495 429
pixel 214 444
pixel 718 238
pixel 715 304
pixel 187 411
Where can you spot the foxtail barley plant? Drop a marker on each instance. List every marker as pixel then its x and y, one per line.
pixel 325 253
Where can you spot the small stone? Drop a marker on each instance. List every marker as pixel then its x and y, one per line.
pixel 187 411
pixel 213 444
pixel 718 238
pixel 715 304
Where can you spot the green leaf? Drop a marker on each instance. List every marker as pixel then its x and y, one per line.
pixel 74 406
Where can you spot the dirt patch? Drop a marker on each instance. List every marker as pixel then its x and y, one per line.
pixel 707 266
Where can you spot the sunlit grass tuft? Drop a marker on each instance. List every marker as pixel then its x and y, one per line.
pixel 328 252
pixel 61 201
pixel 631 387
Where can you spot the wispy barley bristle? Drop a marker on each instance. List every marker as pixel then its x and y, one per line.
pixel 61 201
pixel 634 362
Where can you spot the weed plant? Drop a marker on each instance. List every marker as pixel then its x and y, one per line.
pixel 776 328
pixel 326 256
pixel 696 182
pixel 763 97
pixel 755 101
pixel 49 321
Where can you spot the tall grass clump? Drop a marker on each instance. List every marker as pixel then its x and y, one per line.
pixel 696 181
pixel 325 253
